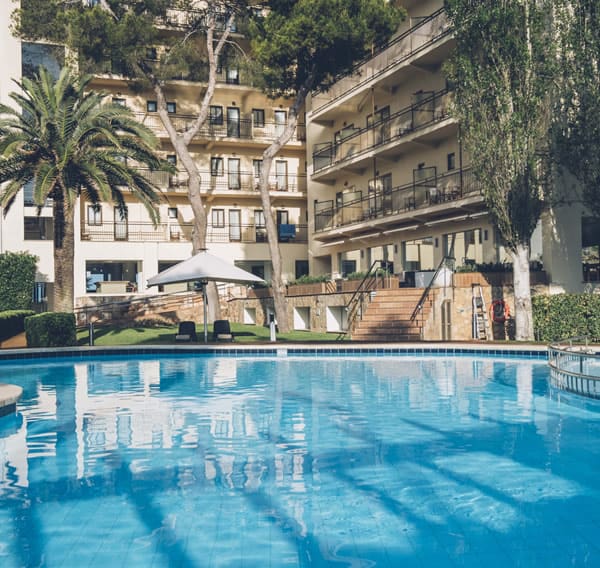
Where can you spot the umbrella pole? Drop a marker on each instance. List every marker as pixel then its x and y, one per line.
pixel 204 307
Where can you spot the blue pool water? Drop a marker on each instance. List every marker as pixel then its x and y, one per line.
pixel 357 461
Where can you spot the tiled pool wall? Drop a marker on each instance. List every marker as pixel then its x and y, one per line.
pixel 275 350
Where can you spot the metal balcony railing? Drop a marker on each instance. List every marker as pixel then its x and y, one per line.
pixel 242 129
pixel 176 232
pixel 419 37
pixel 419 115
pixel 420 193
pixel 225 182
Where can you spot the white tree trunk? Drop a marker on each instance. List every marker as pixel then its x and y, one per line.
pixel 522 291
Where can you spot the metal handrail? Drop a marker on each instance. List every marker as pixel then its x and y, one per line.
pixel 575 366
pixel 355 305
pixel 447 261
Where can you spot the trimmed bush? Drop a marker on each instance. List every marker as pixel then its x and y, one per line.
pixel 17 278
pixel 12 322
pixel 50 329
pixel 566 315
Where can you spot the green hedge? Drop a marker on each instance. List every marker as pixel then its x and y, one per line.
pixel 50 330
pixel 566 315
pixel 12 322
pixel 17 279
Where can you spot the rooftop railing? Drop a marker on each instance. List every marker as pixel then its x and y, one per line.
pixel 418 194
pixel 417 38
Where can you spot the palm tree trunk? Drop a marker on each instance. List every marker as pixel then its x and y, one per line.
pixel 64 255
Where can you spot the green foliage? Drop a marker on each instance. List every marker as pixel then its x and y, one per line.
pixel 17 278
pixel 578 127
pixel 50 329
pixel 566 315
pixel 12 322
pixel 311 42
pixel 306 279
pixel 504 76
pixel 483 267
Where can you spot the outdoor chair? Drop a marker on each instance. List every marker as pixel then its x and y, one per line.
pixel 187 331
pixel 222 331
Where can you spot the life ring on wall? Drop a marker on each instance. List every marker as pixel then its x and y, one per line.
pixel 499 311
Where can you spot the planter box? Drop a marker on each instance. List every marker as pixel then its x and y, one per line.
pixel 466 279
pixel 307 289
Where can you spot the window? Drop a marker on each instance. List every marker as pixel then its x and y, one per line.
pixel 232 76
pixel 172 212
pixel 280 121
pixel 465 246
pixel 171 107
pixel 216 167
pixel 258 117
pixel 256 171
pixel 151 53
pixel 94 215
pixel 301 268
pixel 281 172
pixel 119 101
pixel 451 159
pixel 151 106
pixel 233 173
pixel 283 217
pixel 235 225
pixel 38 228
pixel 590 249
pixel 218 218
pixel 216 115
pixel 259 226
pixel 172 159
pixel 121 230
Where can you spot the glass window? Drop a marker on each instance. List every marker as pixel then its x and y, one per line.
pixel 216 114
pixel 216 167
pixel 218 218
pixel 94 215
pixel 151 106
pixel 418 254
pixel 172 212
pixel 232 76
pixel 151 53
pixel 466 247
pixel 451 161
pixel 38 228
pixel 590 249
pixel 171 107
pixel 280 121
pixel 119 101
pixel 172 159
pixel 235 225
pixel 233 173
pixel 258 117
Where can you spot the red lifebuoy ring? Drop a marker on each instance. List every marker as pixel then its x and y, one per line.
pixel 499 311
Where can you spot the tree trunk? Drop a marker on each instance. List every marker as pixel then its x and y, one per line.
pixel 522 291
pixel 64 255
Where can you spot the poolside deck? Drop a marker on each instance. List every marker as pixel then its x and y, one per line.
pixel 9 395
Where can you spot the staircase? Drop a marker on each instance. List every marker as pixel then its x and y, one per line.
pixel 387 317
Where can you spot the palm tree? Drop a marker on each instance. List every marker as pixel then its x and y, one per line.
pixel 71 142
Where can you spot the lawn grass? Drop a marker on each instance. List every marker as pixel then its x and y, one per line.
pixel 106 336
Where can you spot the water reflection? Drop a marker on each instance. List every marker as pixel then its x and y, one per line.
pixel 311 460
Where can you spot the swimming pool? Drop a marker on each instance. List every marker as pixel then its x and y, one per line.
pixel 316 460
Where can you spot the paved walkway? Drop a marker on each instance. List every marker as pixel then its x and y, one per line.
pixel 9 395
pixel 14 342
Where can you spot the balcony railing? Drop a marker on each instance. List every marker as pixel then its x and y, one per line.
pixel 226 182
pixel 419 194
pixel 176 232
pixel 242 129
pixel 429 110
pixel 418 38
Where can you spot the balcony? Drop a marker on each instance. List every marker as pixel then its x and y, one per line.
pixel 235 184
pixel 408 125
pixel 140 232
pixel 421 46
pixel 429 198
pixel 233 132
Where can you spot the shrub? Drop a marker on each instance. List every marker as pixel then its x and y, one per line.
pixel 12 322
pixel 306 279
pixel 566 315
pixel 50 330
pixel 17 278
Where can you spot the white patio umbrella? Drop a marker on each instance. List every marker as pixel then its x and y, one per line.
pixel 203 267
